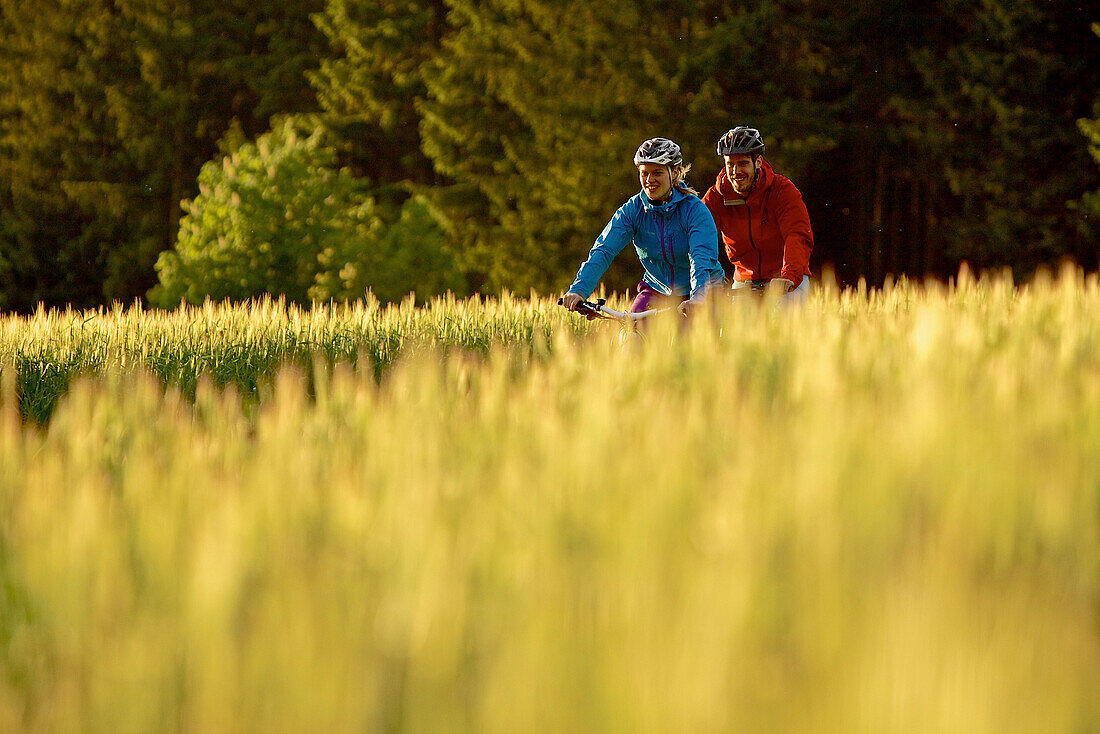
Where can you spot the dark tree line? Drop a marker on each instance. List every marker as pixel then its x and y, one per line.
pixel 108 109
pixel 920 135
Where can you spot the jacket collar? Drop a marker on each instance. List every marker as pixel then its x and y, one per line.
pixel 672 203
pixel 763 181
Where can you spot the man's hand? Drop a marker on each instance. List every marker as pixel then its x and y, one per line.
pixel 780 286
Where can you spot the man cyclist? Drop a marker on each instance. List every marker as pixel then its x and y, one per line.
pixel 760 216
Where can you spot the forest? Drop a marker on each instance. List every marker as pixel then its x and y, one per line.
pixel 168 150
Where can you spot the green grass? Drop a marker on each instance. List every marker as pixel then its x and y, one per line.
pixel 243 346
pixel 878 513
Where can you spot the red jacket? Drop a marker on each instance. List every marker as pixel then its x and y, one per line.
pixel 766 235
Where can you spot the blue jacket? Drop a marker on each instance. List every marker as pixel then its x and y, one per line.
pixel 677 243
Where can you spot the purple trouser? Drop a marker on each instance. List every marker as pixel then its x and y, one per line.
pixel 648 298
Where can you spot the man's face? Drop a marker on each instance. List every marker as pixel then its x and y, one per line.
pixel 741 170
pixel 656 182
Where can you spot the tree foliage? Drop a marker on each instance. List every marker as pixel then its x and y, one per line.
pixel 111 108
pixel 1088 207
pixel 275 216
pixel 368 84
pixel 1001 95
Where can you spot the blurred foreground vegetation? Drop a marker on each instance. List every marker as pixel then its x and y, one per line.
pixel 877 513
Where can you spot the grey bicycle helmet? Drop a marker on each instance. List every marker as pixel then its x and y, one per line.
pixel 741 141
pixel 661 151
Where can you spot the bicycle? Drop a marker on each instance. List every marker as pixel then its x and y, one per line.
pixel 628 322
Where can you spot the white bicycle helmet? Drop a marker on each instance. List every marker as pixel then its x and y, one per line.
pixel 661 151
pixel 741 140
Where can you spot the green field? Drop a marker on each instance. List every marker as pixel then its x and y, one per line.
pixel 875 514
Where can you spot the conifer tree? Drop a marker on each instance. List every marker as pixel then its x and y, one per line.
pixel 111 109
pixel 48 243
pixel 1088 207
pixel 1000 103
pixel 368 83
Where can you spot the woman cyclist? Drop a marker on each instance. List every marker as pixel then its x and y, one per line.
pixel 761 217
pixel 672 232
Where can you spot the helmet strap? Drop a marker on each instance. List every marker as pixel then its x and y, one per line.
pixel 671 186
pixel 755 174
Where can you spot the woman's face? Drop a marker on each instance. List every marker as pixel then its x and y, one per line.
pixel 656 181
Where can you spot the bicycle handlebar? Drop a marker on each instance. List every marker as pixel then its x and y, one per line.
pixel 756 288
pixel 599 310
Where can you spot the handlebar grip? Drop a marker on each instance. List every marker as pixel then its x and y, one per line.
pixel 586 308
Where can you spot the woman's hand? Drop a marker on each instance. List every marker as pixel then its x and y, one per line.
pixel 688 307
pixel 570 301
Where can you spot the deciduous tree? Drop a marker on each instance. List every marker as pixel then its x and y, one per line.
pixel 276 216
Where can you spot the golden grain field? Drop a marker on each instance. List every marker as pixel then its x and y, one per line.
pixel 878 513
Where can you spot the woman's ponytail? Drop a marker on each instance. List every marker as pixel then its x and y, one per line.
pixel 679 179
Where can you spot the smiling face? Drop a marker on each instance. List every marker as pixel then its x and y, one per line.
pixel 656 180
pixel 741 171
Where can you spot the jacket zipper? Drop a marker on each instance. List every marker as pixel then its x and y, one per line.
pixel 752 244
pixel 672 275
pixel 667 253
